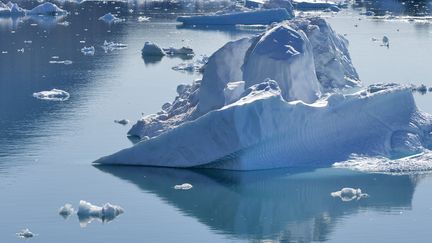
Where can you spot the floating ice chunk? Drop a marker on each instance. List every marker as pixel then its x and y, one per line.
pixel 54 95
pixel 25 234
pixel 88 212
pixel 385 41
pixel 122 122
pixel 111 46
pixel 65 62
pixel 152 49
pixel 266 16
pixel 66 210
pixel 88 51
pixel 47 9
pixel 20 50
pixel 348 194
pixel 179 51
pixel 110 18
pixel 184 186
pixel 195 66
pixel 143 19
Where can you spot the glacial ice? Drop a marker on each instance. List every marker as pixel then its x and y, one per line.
pixel 88 212
pixel 152 49
pixel 264 16
pixel 307 5
pixel 47 9
pixel 66 210
pixel 54 95
pixel 179 51
pixel 184 186
pixel 279 99
pixel 109 18
pixel 11 10
pixel 88 51
pixel 25 234
pixel 348 194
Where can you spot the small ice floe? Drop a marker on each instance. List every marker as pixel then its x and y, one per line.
pixel 111 46
pixel 374 39
pixel 152 49
pixel 195 66
pixel 110 18
pixel 28 42
pixel 385 41
pixel 65 62
pixel 20 50
pixel 184 186
pixel 25 234
pixel 66 210
pixel 88 212
pixel 348 194
pixel 187 51
pixel 64 23
pixel 88 51
pixel 122 122
pixel 53 95
pixel 143 19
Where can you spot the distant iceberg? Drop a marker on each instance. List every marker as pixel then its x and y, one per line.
pixel 88 212
pixel 280 99
pixel 47 9
pixel 11 10
pixel 109 18
pixel 265 16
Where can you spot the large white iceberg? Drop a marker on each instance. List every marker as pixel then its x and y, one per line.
pixel 279 99
pixel 264 16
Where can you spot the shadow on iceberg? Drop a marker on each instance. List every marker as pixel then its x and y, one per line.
pixel 287 205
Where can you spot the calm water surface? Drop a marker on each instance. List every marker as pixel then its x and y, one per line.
pixel 46 148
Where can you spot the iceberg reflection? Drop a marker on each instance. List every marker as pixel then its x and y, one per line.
pixel 281 205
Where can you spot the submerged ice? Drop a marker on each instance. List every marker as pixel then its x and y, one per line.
pixel 279 99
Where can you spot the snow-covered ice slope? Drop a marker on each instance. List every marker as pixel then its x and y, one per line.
pixel 265 16
pixel 301 118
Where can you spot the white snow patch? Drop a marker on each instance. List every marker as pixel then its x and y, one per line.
pixel 53 95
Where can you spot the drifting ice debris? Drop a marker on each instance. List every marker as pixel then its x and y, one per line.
pixel 88 51
pixel 422 89
pixel 348 194
pixel 152 49
pixel 386 41
pixel 143 19
pixel 266 16
pixel 88 212
pixel 122 122
pixel 308 5
pixel 195 66
pixel 47 9
pixel 109 18
pixel 66 210
pixel 25 234
pixel 184 186
pixel 187 51
pixel 111 46
pixel 54 95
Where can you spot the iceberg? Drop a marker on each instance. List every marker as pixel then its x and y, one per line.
pixel 264 16
pixel 25 234
pixel 66 210
pixel 53 95
pixel 109 18
pixel 11 10
pixel 88 51
pixel 348 194
pixel 179 51
pixel 47 9
pixel 284 98
pixel 152 49
pixel 111 46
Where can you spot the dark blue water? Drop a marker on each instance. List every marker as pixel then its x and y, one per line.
pixel 46 148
